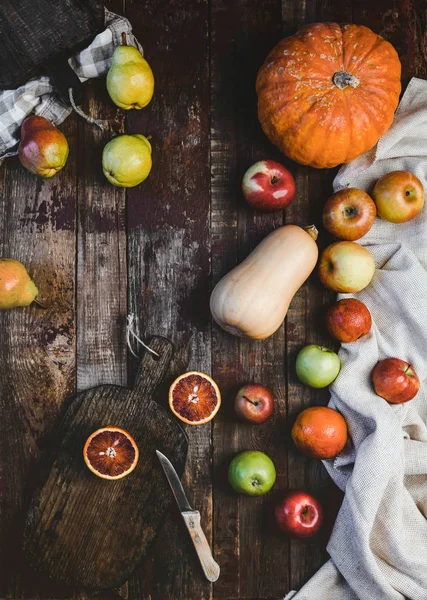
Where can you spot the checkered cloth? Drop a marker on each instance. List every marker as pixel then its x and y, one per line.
pixel 39 95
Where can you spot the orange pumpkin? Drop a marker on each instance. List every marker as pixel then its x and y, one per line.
pixel 328 93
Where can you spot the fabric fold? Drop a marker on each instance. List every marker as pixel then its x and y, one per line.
pixel 39 96
pixel 378 544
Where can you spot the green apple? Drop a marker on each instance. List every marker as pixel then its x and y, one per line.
pixel 126 160
pixel 252 473
pixel 317 366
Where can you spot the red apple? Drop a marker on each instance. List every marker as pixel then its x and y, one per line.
pixel 349 214
pixel 399 196
pixel 268 186
pixel 348 319
pixel 395 380
pixel 254 403
pixel 299 514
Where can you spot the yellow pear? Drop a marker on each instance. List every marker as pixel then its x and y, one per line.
pixel 126 160
pixel 16 286
pixel 130 80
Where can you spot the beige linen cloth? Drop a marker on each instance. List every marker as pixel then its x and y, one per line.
pixel 378 547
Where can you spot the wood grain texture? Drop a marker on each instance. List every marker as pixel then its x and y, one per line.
pixel 101 277
pixel 251 555
pixel 201 545
pixel 101 244
pixel 84 530
pixel 169 254
pixel 205 55
pixel 37 349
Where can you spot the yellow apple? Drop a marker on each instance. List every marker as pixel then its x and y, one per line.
pixel 399 196
pixel 346 267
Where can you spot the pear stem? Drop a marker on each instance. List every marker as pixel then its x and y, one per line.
pixel 124 41
pixel 312 231
pixel 41 304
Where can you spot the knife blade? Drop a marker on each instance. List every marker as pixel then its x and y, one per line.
pixel 174 482
pixel 191 519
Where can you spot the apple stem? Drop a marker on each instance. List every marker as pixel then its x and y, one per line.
pixel 124 40
pixel 251 401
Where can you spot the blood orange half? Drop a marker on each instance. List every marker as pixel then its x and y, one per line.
pixel 194 398
pixel 111 453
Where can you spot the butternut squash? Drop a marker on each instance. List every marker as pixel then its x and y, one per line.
pixel 253 298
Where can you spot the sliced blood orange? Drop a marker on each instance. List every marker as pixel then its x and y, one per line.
pixel 111 453
pixel 194 398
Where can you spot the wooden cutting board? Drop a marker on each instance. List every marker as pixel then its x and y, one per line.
pixel 91 532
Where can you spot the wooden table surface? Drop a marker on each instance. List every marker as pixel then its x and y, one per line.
pixel 99 253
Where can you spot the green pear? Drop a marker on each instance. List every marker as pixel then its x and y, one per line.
pixel 16 286
pixel 130 80
pixel 126 160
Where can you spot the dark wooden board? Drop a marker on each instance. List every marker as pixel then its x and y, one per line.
pixel 251 554
pixel 98 258
pixel 84 530
pixel 168 219
pixel 101 251
pixel 37 347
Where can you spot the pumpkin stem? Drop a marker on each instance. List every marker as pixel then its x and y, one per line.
pixel 312 231
pixel 342 79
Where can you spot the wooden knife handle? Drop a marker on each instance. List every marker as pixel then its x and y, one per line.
pixel 209 566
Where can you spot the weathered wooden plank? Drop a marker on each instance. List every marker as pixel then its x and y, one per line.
pixel 37 349
pixel 255 559
pixel 101 243
pixel 43 223
pixel 225 358
pixel 101 276
pixel 169 252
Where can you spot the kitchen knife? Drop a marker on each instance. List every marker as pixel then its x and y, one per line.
pixel 191 519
